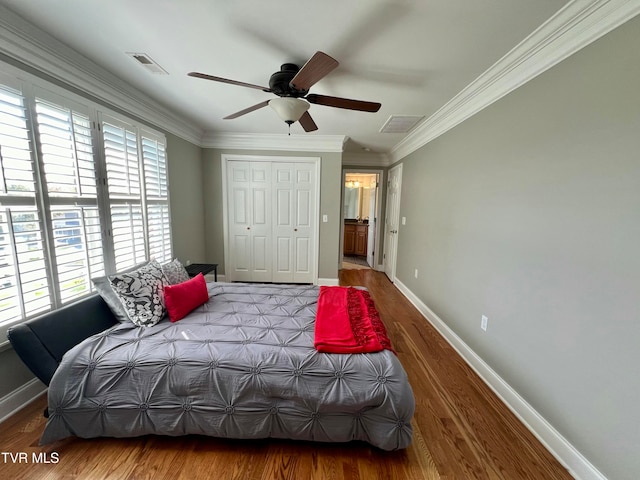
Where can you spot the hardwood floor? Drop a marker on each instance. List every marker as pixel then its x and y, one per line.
pixel 461 430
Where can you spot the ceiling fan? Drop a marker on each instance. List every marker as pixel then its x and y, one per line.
pixel 291 84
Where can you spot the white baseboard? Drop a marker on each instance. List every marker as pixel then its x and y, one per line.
pixel 567 455
pixel 321 281
pixel 20 398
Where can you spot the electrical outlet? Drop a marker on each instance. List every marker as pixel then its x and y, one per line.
pixel 484 322
pixel 325 218
pixel 415 273
pixel 404 220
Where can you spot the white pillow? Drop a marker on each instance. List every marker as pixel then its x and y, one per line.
pixel 141 293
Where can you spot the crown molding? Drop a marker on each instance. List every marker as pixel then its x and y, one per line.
pixel 576 25
pixel 30 46
pixel 261 141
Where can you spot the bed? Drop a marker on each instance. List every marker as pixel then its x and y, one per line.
pixel 243 365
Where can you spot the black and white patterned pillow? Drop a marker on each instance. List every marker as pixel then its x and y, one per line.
pixel 141 293
pixel 105 290
pixel 175 272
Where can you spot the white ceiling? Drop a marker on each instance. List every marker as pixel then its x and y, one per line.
pixel 410 55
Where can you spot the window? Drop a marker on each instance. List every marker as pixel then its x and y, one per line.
pixel 68 164
pixel 157 188
pixel 83 192
pixel 125 192
pixel 24 286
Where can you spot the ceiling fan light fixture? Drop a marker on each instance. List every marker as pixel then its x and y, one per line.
pixel 289 109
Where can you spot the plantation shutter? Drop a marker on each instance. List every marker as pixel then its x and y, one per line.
pixel 125 192
pixel 83 193
pixel 24 287
pixel 66 152
pixel 157 197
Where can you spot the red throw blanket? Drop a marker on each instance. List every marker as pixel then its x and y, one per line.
pixel 347 322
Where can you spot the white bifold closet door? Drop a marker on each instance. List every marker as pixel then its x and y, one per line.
pixel 293 222
pixel 272 218
pixel 249 190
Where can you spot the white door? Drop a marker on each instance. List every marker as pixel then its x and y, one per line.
pixel 261 236
pixel 392 216
pixel 239 210
pixel 306 219
pixel 271 221
pixel 249 194
pixel 294 220
pixel 371 234
pixel 283 222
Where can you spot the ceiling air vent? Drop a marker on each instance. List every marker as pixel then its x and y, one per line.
pixel 146 61
pixel 400 123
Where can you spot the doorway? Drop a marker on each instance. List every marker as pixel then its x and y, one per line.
pixel 360 218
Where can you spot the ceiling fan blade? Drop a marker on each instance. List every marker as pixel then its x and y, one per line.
pixel 226 80
pixel 307 122
pixel 346 103
pixel 316 68
pixel 247 110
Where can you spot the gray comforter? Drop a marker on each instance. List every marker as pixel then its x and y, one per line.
pixel 242 365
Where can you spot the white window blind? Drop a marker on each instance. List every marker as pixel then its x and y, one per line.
pixel 78 249
pixel 24 287
pixel 138 193
pixel 157 195
pixel 24 290
pixel 121 155
pixel 83 193
pixel 125 193
pixel 17 172
pixel 66 152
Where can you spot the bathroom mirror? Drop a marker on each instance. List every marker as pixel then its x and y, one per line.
pixel 351 203
pixel 358 189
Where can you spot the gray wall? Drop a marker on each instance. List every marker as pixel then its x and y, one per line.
pixel 186 197
pixel 13 373
pixel 330 197
pixel 529 213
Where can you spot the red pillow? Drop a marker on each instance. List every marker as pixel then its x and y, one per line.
pixel 182 298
